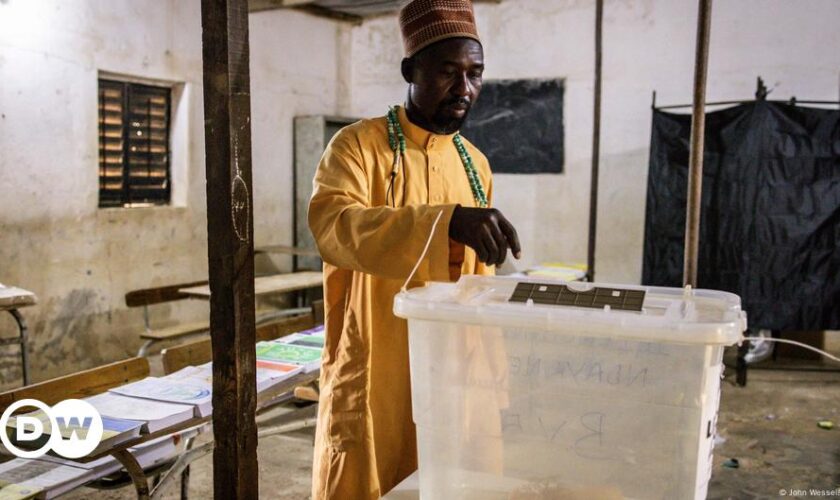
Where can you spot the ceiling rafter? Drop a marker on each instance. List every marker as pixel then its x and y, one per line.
pixel 352 11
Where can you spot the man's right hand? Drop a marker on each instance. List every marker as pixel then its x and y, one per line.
pixel 486 231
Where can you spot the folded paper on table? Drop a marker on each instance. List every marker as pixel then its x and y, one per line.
pixel 304 340
pixel 184 391
pixel 278 352
pixel 148 454
pixel 154 415
pixel 24 478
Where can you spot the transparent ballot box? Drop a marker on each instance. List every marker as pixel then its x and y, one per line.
pixel 535 389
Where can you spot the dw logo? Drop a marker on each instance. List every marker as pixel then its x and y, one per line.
pixel 74 428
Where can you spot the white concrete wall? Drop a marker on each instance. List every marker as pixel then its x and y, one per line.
pixel 54 240
pixel 294 71
pixel 648 45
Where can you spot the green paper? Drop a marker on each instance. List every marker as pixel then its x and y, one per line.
pixel 287 353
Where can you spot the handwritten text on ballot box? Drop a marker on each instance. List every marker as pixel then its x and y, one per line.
pixel 513 396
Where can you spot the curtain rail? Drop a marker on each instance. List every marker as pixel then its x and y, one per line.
pixel 793 101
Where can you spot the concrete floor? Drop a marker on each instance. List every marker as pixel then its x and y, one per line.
pixel 770 426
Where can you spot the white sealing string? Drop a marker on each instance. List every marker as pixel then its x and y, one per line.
pixel 423 255
pixel 786 341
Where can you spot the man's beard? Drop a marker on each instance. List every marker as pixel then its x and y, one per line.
pixel 445 124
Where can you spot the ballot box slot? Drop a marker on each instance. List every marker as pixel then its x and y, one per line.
pixel 561 295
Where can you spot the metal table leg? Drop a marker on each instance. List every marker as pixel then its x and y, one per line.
pixel 185 475
pixel 144 349
pixel 24 342
pixel 181 464
pixel 138 477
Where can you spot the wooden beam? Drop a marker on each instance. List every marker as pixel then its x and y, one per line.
pixel 261 5
pixel 227 141
pixel 308 6
pixel 596 145
pixel 335 12
pixel 698 125
pixel 81 384
pixel 317 10
pixel 151 296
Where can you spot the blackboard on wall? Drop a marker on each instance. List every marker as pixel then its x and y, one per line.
pixel 518 125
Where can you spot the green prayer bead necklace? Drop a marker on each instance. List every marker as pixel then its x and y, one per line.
pixel 397 141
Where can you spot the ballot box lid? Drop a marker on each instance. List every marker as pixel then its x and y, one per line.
pixel 678 315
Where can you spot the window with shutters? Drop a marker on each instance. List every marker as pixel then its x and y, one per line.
pixel 133 144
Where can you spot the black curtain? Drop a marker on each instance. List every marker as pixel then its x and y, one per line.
pixel 770 226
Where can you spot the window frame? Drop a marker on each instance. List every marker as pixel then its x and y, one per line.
pixel 126 197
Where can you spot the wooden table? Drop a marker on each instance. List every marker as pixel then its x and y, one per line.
pixel 264 285
pixel 12 299
pixel 302 258
pixel 187 430
pixel 199 425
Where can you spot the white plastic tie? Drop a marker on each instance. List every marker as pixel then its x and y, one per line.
pixel 423 255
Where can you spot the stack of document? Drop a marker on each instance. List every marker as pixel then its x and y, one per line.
pixel 172 390
pixel 152 415
pixel 271 374
pixel 280 353
pixel 318 332
pixel 304 340
pixel 49 476
pixel 300 349
pixel 149 454
pixel 266 377
pixel 22 478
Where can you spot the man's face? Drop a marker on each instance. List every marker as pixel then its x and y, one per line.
pixel 445 80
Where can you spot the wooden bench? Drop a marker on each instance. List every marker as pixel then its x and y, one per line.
pixel 80 385
pixel 263 285
pixel 151 296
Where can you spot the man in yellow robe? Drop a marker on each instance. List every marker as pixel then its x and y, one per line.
pixel 371 217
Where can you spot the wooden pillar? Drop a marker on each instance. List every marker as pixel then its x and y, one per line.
pixel 596 145
pixel 227 141
pixel 698 124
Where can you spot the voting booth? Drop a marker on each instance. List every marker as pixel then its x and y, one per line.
pixel 532 388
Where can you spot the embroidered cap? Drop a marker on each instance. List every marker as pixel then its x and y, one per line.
pixel 424 22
